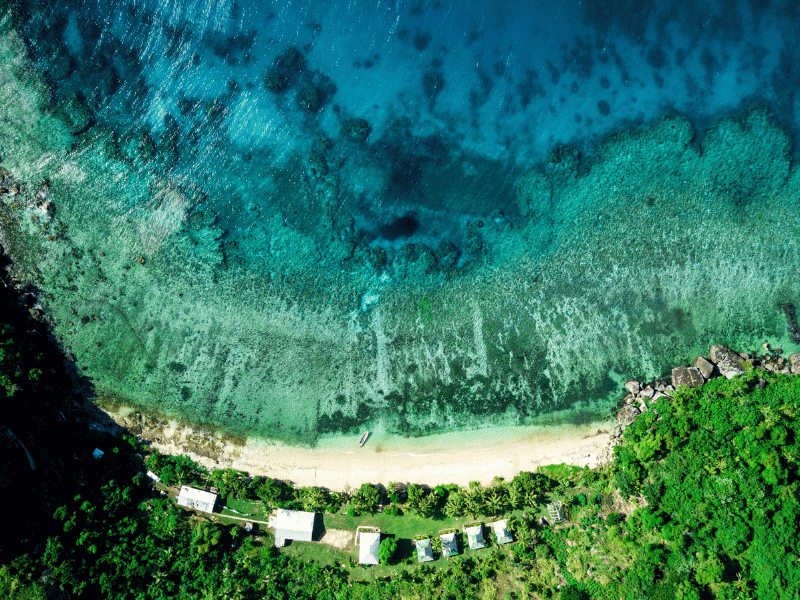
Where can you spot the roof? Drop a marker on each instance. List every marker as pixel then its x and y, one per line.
pixel 501 531
pixel 555 511
pixel 292 525
pixel 449 546
pixel 475 537
pixel 424 550
pixel 197 499
pixel 368 544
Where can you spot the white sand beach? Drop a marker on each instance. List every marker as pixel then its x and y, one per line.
pixel 339 464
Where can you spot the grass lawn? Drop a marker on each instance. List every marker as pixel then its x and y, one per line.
pixel 247 509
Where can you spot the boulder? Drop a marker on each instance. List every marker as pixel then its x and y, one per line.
pixel 688 376
pixel 633 386
pixel 729 363
pixel 648 392
pixel 627 414
pixel 794 363
pixel 706 368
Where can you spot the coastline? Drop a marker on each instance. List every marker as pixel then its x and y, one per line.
pixel 338 464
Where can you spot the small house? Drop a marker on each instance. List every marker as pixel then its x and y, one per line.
pixel 424 550
pixel 475 537
pixel 98 453
pixel 449 546
pixel 556 512
pixel 368 544
pixel 197 499
pixel 501 531
pixel 292 525
pixel 154 477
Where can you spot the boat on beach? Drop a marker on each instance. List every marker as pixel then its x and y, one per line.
pixel 363 439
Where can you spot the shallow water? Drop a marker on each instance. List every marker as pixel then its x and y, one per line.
pixel 234 245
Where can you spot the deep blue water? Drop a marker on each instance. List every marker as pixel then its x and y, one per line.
pixel 292 218
pixel 459 96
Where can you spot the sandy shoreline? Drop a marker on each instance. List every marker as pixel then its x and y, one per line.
pixel 338 464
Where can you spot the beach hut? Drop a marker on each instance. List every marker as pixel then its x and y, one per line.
pixel 197 499
pixel 449 546
pixel 368 544
pixel 501 531
pixel 292 525
pixel 424 550
pixel 556 511
pixel 475 537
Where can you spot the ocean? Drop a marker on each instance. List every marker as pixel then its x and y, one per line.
pixel 294 220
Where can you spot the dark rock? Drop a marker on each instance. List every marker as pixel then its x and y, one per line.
pixel 473 242
pixel 729 363
pixel 355 130
pixel 627 414
pixel 413 260
pixel 446 254
pixel 706 368
pixel 310 99
pixel 688 376
pixel 75 113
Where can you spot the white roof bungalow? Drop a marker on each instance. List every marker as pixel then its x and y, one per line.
pixel 501 531
pixel 292 525
pixel 424 550
pixel 198 499
pixel 449 546
pixel 368 544
pixel 475 537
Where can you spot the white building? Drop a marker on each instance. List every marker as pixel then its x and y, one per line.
pixel 368 544
pixel 197 499
pixel 292 525
pixel 449 545
pixel 501 531
pixel 475 537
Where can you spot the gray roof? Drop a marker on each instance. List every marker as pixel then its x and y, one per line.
pixel 501 531
pixel 198 499
pixel 424 550
pixel 475 537
pixel 292 525
pixel 449 546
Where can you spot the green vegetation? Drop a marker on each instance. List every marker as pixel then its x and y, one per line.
pixel 700 502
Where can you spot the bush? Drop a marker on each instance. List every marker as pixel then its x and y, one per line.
pixel 386 550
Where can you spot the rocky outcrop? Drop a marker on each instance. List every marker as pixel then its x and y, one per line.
pixel 722 361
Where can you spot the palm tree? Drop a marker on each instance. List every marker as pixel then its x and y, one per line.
pixel 455 505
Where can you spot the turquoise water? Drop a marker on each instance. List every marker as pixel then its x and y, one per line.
pixel 292 219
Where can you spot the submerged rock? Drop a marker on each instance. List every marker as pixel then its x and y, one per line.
pixel 446 254
pixel 72 108
pixel 414 260
pixel 310 99
pixel 355 130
